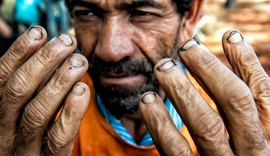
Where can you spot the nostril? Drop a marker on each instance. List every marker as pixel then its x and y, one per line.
pixel 114 50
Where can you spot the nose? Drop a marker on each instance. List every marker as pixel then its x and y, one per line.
pixel 115 41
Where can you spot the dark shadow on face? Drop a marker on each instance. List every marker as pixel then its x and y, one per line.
pixel 122 99
pixel 126 42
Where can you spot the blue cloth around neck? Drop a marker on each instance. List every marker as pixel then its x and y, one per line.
pixel 124 133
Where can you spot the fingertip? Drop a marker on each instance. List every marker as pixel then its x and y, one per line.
pixel 193 53
pixel 192 49
pixel 188 45
pixel 37 32
pixel 74 40
pixel 79 95
pixel 83 58
pixel 150 102
pixel 80 89
pixel 232 37
pixel 165 64
pixel 149 98
pixel 67 39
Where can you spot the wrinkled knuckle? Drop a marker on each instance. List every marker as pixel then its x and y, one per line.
pixel 5 148
pixel 55 142
pixel 183 151
pixel 3 110
pixel 176 147
pixel 19 48
pixel 71 115
pixel 247 59
pixel 46 56
pixel 182 87
pixel 189 99
pixel 60 80
pixel 34 116
pixel 207 61
pixel 260 86
pixel 17 88
pixel 24 137
pixel 5 69
pixel 3 79
pixel 159 117
pixel 210 126
pixel 255 132
pixel 58 141
pixel 240 102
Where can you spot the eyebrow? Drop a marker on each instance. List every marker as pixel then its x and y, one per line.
pixel 86 4
pixel 123 6
pixel 138 4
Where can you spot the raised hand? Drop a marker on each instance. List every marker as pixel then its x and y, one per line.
pixel 36 80
pixel 242 96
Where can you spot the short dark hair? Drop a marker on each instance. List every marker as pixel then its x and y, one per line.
pixel 182 5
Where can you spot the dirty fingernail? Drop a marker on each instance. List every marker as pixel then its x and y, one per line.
pixel 235 37
pixel 149 97
pixel 66 39
pixel 188 44
pixel 75 61
pixel 167 65
pixel 78 89
pixel 35 33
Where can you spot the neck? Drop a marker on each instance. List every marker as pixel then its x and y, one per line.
pixel 135 125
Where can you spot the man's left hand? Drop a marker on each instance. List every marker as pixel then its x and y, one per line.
pixel 242 126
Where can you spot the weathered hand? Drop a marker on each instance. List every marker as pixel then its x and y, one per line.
pixel 36 78
pixel 242 97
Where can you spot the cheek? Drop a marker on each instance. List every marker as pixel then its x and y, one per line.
pixel 87 38
pixel 158 43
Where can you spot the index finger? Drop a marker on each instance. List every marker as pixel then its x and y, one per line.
pixel 20 51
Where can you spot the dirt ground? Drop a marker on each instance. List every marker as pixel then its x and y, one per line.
pixel 251 17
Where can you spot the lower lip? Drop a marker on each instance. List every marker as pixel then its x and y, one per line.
pixel 132 79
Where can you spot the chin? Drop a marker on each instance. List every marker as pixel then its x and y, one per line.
pixel 124 99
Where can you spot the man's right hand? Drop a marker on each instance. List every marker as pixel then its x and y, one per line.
pixel 36 80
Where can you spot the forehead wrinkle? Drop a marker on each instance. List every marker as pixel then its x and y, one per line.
pixel 119 4
pixel 137 4
pixel 102 4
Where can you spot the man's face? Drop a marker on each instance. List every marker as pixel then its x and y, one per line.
pixel 122 40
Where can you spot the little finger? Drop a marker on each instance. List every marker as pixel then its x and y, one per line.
pixel 61 136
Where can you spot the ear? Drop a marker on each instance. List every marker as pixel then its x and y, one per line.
pixel 190 19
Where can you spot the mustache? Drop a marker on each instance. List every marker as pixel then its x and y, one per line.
pixel 126 66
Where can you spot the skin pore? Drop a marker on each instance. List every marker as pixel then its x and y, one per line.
pixel 122 40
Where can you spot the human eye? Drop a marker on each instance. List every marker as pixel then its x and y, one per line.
pixel 138 13
pixel 141 16
pixel 85 14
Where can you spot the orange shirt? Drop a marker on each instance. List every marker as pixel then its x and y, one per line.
pixel 96 137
